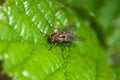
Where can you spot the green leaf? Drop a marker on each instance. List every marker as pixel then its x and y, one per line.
pixel 25 49
pixel 107 13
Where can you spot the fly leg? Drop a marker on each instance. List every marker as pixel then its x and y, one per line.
pixel 68 45
pixel 65 45
pixel 53 45
pixel 62 50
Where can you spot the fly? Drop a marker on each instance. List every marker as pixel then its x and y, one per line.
pixel 64 36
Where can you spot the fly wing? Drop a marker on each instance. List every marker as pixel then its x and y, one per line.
pixel 71 29
pixel 75 38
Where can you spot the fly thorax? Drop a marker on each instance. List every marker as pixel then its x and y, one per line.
pixel 62 37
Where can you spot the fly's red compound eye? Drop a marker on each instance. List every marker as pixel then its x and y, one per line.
pixel 54 37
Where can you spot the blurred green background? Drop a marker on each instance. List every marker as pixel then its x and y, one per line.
pixel 24 49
